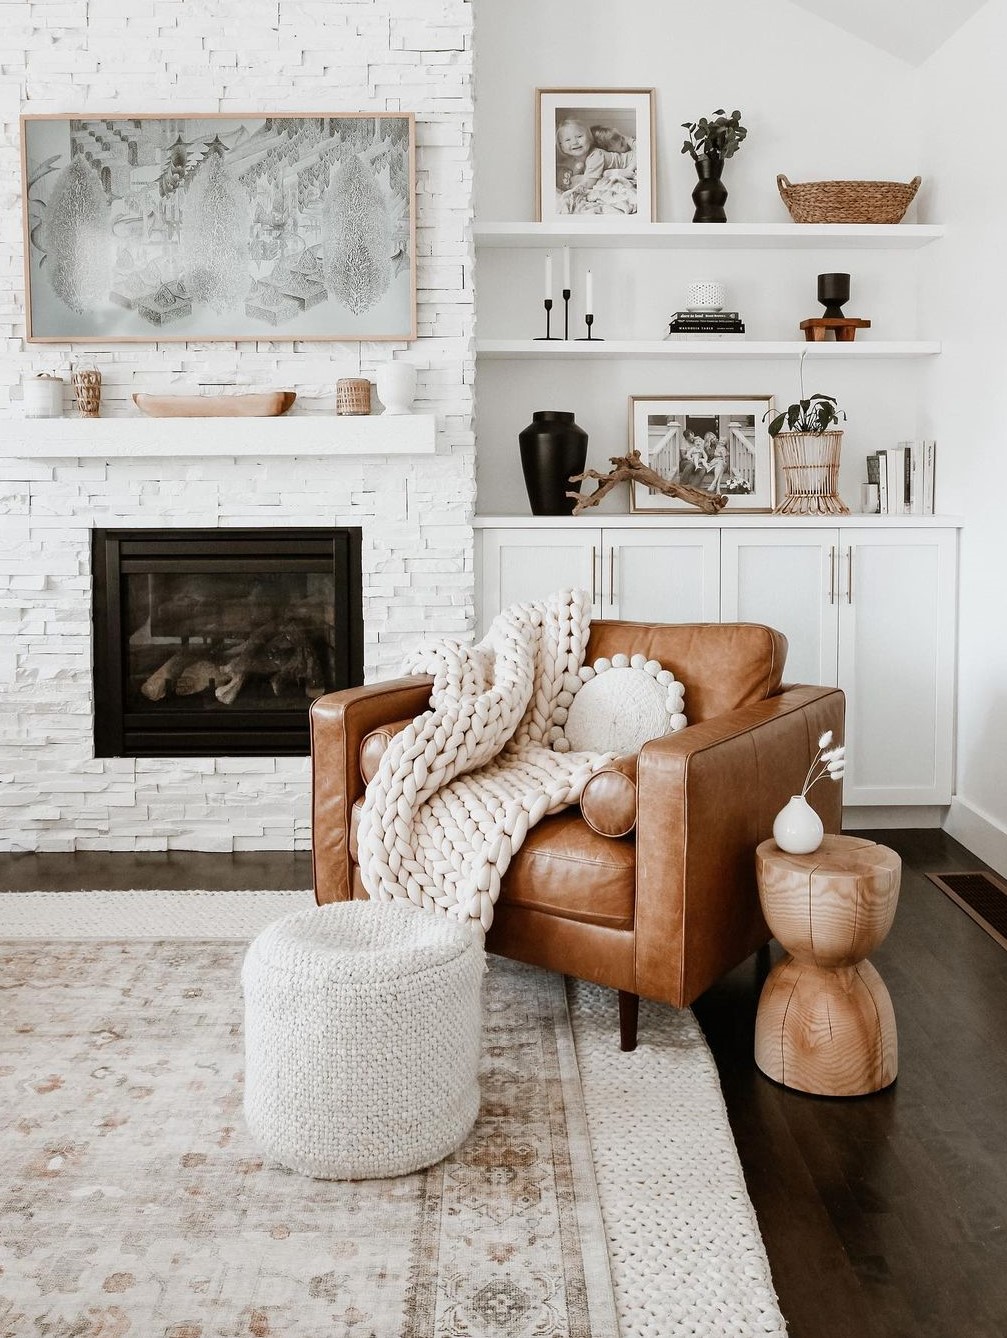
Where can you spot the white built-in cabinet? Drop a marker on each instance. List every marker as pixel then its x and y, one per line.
pixel 641 575
pixel 870 608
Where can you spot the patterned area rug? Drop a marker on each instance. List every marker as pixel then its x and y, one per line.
pixel 132 1202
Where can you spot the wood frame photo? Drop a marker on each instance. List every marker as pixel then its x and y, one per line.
pixel 595 154
pixel 225 226
pixel 719 444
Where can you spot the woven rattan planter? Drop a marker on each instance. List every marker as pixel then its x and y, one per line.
pixel 353 396
pixel 848 201
pixel 810 466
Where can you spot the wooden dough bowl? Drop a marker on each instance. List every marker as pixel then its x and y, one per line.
pixel 270 404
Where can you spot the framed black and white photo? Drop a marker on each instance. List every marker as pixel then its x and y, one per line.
pixel 219 227
pixel 717 444
pixel 595 153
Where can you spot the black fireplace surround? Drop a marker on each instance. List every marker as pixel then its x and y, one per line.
pixel 213 643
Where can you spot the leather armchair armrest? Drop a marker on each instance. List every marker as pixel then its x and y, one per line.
pixel 706 797
pixel 339 722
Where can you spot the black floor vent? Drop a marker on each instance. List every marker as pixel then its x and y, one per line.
pixel 983 896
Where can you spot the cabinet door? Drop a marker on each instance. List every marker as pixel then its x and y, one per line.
pixel 896 664
pixel 661 576
pixel 521 565
pixel 788 579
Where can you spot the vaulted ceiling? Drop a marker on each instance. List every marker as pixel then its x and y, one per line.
pixel 909 29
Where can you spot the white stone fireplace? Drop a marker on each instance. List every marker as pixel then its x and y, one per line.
pixel 413 510
pixel 411 492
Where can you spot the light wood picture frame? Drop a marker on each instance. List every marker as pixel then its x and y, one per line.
pixel 219 227
pixel 719 444
pixel 595 154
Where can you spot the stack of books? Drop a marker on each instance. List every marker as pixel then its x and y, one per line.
pixel 905 478
pixel 706 325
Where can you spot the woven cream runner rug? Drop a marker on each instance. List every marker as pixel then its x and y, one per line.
pixel 134 1205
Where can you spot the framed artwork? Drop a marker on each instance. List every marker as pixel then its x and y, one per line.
pixel 219 227
pixel 595 153
pixel 717 443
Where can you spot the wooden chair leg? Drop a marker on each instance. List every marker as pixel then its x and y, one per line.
pixel 629 1012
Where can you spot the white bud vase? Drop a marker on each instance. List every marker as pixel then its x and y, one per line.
pixel 396 382
pixel 797 828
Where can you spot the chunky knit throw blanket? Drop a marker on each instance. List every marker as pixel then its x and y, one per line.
pixel 457 790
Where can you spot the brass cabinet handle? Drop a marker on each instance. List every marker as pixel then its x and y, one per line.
pixel 849 575
pixel 594 574
pixel 832 574
pixel 611 576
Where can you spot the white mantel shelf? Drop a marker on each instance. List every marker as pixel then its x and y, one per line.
pixel 705 348
pixel 74 438
pixel 718 236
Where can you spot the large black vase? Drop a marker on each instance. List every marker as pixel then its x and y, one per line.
pixel 709 194
pixel 552 448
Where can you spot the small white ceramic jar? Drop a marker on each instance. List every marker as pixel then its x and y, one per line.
pixel 42 395
pixel 705 295
pixel 396 383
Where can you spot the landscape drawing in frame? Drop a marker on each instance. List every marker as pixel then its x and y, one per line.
pixel 595 154
pixel 719 444
pixel 219 227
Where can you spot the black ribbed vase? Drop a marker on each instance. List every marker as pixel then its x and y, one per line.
pixel 552 448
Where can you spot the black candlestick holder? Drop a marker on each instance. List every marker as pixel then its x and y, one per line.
pixel 590 337
pixel 548 317
pixel 566 313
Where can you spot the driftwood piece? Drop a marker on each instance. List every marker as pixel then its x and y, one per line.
pixel 196 677
pixel 631 469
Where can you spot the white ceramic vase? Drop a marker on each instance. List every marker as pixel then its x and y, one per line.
pixel 396 382
pixel 797 828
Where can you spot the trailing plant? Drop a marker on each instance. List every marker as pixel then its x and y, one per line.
pixel 813 414
pixel 720 137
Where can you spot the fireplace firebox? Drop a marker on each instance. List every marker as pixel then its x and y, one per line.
pixel 214 643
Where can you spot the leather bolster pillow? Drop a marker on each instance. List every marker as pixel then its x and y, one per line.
pixel 373 745
pixel 608 800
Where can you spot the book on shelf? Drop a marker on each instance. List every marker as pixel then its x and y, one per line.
pixel 706 315
pixel 920 464
pixel 896 462
pixel 883 482
pixel 704 334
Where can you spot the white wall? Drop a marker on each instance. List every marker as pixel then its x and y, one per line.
pixel 769 59
pixel 127 56
pixel 959 95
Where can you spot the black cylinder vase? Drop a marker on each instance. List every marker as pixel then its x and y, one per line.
pixel 552 448
pixel 833 293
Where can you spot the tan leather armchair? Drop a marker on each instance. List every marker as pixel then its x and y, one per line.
pixel 665 910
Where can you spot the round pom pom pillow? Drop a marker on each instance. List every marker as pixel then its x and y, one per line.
pixel 622 703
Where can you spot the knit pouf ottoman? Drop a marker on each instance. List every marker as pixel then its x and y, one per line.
pixel 362 1038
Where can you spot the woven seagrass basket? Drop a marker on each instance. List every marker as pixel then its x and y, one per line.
pixel 847 201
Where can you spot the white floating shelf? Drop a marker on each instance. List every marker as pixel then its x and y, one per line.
pixel 703 348
pixel 697 236
pixel 695 520
pixel 304 434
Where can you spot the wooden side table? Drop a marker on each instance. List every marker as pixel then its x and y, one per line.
pixel 825 1022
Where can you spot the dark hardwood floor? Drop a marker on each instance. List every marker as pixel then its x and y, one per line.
pixel 883 1216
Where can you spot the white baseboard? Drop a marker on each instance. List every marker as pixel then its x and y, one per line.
pixel 865 817
pixel 978 832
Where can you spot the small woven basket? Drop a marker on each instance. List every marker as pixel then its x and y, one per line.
pixel 87 391
pixel 353 396
pixel 848 201
pixel 810 466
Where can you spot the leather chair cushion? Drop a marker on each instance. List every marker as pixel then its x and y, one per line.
pixel 608 800
pixel 565 869
pixel 373 745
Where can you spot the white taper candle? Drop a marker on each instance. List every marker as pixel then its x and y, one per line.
pixel 548 276
pixel 566 267
pixel 588 295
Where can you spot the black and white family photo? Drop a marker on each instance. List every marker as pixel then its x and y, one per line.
pixel 595 153
pixel 714 447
